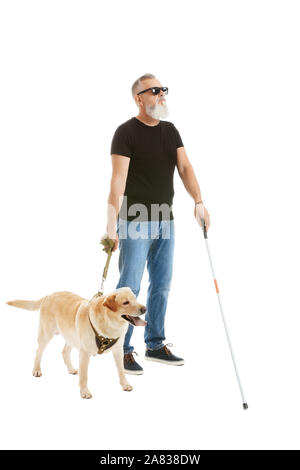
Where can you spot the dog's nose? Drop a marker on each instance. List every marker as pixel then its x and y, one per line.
pixel 143 310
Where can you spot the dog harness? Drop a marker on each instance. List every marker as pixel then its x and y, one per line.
pixel 102 342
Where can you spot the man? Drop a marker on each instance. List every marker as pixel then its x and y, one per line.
pixel 144 153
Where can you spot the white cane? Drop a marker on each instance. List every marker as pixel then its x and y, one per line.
pixel 245 405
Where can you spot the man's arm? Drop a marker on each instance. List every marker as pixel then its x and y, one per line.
pixel 120 166
pixel 187 174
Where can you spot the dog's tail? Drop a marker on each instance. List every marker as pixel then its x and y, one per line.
pixel 26 304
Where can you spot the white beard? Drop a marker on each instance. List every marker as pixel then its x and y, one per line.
pixel 158 111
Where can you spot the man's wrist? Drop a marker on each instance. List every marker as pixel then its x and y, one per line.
pixel 111 228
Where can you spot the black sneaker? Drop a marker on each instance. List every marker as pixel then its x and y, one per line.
pixel 131 366
pixel 164 355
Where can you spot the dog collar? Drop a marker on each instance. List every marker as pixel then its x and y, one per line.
pixel 102 342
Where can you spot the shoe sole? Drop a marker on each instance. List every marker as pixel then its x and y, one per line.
pixel 169 363
pixel 134 372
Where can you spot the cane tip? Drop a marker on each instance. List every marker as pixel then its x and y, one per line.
pixel 245 406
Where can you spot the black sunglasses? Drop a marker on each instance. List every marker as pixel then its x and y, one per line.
pixel 155 90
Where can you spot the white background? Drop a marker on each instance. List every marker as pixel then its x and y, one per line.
pixel 232 68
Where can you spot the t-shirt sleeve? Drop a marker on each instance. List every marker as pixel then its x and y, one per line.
pixel 178 139
pixel 120 144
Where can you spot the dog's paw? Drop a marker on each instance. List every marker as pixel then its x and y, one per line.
pixel 73 371
pixel 127 387
pixel 85 393
pixel 36 373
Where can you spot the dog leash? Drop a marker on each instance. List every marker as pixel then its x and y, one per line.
pixel 102 342
pixel 108 244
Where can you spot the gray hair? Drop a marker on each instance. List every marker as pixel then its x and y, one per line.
pixel 137 83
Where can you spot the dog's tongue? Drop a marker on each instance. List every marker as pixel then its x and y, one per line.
pixel 138 321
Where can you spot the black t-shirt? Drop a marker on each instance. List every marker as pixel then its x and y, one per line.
pixel 152 152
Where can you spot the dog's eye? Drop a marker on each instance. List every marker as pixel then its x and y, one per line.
pixel 126 303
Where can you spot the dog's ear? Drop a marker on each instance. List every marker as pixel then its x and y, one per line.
pixel 111 303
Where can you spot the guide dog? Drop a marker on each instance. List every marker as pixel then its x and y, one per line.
pixel 94 326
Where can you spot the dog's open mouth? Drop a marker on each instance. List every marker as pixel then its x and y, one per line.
pixel 135 321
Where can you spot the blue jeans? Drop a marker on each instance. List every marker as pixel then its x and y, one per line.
pixel 156 246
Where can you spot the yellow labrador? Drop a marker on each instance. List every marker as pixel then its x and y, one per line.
pixel 92 326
